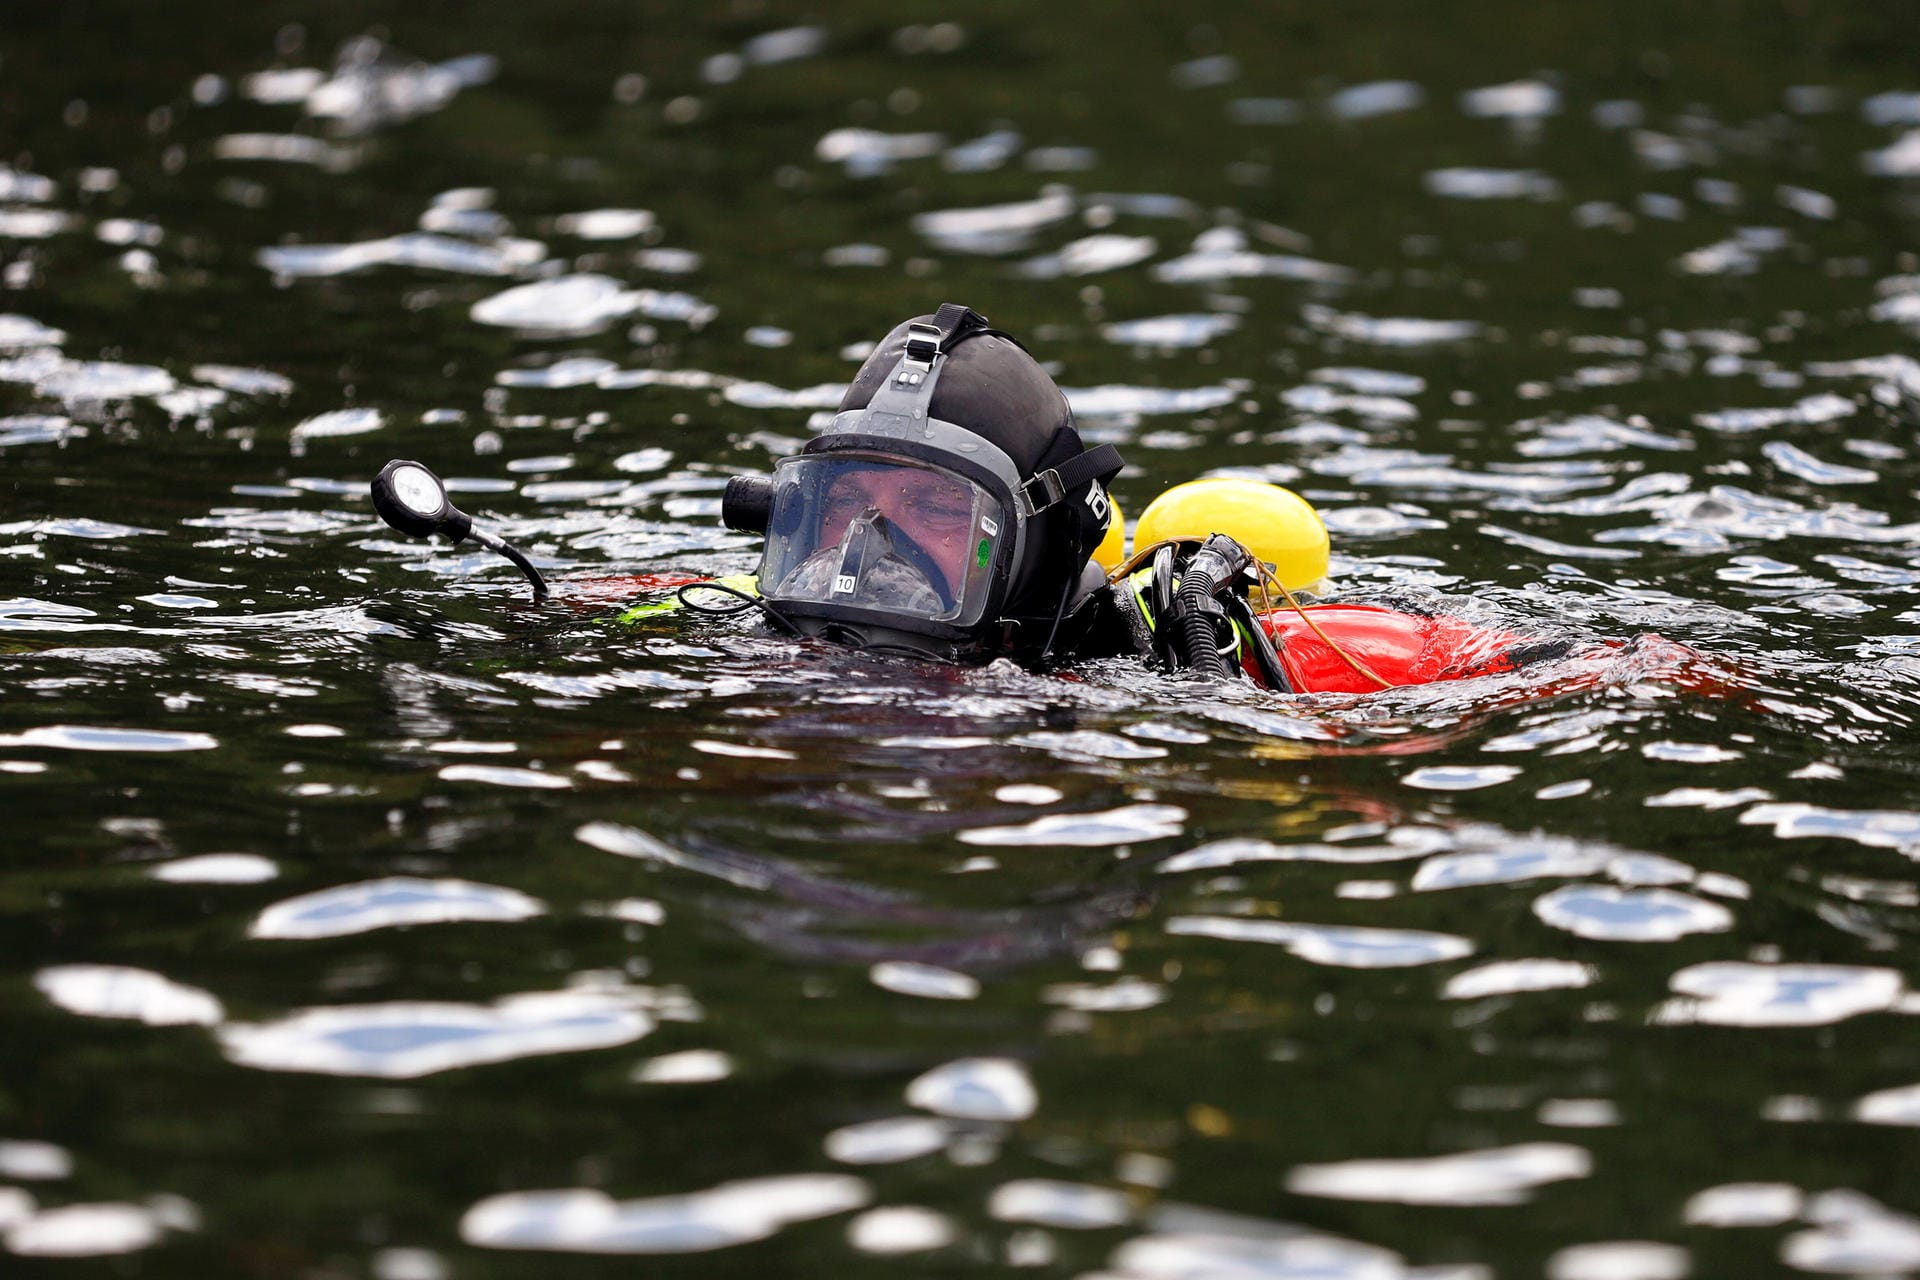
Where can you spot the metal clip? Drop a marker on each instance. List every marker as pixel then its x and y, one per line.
pixel 1050 486
pixel 923 344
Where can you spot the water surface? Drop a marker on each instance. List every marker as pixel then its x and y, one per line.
pixel 365 920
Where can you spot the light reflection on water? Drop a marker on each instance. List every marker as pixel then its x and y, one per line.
pixel 1101 973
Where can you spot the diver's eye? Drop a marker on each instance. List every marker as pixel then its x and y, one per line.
pixel 841 506
pixel 942 511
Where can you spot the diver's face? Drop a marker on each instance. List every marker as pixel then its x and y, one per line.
pixel 936 511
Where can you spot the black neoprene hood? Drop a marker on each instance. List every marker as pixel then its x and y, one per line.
pixel 993 388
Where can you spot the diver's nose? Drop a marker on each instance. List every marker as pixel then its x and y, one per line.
pixel 869 536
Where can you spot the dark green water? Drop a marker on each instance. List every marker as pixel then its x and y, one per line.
pixel 688 950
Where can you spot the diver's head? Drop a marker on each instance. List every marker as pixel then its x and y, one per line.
pixel 949 508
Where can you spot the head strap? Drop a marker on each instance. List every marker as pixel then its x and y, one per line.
pixel 1101 463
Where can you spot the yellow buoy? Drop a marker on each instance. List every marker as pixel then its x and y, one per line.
pixel 1276 524
pixel 1113 547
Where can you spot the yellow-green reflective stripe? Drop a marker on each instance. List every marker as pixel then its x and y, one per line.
pixel 1139 582
pixel 745 582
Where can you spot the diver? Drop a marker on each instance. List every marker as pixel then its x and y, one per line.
pixel 951 511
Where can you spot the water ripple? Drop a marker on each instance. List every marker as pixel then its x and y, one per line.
pixel 1511 977
pixel 1510 866
pixel 1492 184
pixel 898 1229
pixel 1188 330
pixel 1463 777
pixel 976 1089
pixel 1127 995
pixel 34 1161
pixel 994 229
pixel 1188 1243
pixel 1049 1203
pixel 1243 850
pixel 116 991
pixel 983 154
pixel 217 868
pixel 85 382
pixel 407 1039
pixel 1376 98
pixel 337 422
pixel 763 395
pixel 1630 915
pixel 1393 331
pixel 288 148
pixel 94 1230
pixel 34 224
pixel 1897 829
pixel 80 737
pixel 245 381
pixel 927 981
pixel 505 776
pixel 867 153
pixel 1339 946
pixel 1900 159
pixel 1518 100
pixel 1744 1204
pixel 569 306
pixel 1810 411
pixel 588 1221
pixel 1497 1176
pixel 19 333
pixel 1318 399
pixel 1736 994
pixel 1854 1235
pixel 26 188
pixel 395 902
pixel 1082 745
pixel 890 1141
pixel 689 1066
pixel 1620 1260
pixel 419 250
pixel 1900 1106
pixel 1131 824
pixel 1120 401
pixel 1091 255
pixel 37 428
pixel 1222 253
pixel 606 224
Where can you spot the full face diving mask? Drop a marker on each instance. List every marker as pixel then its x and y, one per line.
pixel 893 528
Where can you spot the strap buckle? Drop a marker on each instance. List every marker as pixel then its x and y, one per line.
pixel 923 344
pixel 1052 490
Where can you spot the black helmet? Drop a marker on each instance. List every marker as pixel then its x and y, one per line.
pixel 950 508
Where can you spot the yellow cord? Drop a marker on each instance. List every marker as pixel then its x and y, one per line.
pixel 1133 562
pixel 1342 654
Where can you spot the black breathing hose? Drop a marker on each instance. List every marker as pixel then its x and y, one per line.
pixel 513 553
pixel 1202 628
pixel 1266 658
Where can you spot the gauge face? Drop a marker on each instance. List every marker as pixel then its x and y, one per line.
pixel 419 490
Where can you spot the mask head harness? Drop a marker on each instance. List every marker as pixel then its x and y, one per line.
pixel 895 529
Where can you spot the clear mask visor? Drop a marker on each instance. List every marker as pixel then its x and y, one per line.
pixel 882 533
